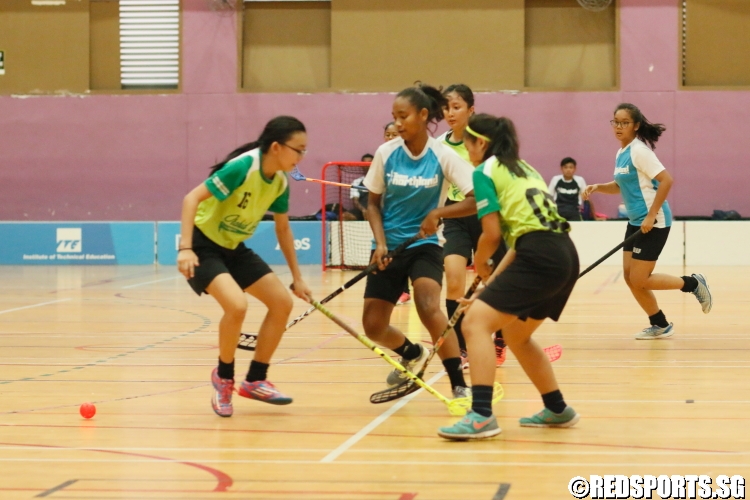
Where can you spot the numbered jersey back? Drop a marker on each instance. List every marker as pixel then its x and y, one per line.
pixel 524 203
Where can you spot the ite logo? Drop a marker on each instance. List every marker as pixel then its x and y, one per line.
pixel 69 240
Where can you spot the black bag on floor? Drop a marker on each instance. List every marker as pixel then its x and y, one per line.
pixel 725 215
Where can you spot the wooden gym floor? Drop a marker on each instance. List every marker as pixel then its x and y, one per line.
pixel 140 345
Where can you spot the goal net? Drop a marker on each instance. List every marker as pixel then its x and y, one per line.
pixel 347 238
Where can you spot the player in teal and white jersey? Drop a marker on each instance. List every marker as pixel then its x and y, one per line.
pixel 644 184
pixel 217 217
pixel 408 182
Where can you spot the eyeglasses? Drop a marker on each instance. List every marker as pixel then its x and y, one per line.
pixel 301 152
pixel 617 124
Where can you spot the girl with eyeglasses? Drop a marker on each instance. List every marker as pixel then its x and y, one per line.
pixel 408 182
pixel 462 234
pixel 217 217
pixel 644 184
pixel 531 283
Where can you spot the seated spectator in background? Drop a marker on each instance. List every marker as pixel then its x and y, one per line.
pixel 358 197
pixel 566 190
pixel 588 212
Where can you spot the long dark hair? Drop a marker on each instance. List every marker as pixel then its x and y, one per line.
pixel 279 129
pixel 503 138
pixel 647 132
pixel 423 96
pixel 464 91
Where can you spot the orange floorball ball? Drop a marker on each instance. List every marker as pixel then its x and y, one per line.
pixel 87 410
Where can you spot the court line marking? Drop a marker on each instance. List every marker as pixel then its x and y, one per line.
pixel 223 480
pixel 124 398
pixel 56 488
pixel 33 305
pixel 152 281
pixel 612 278
pixel 391 451
pixel 372 425
pixel 728 465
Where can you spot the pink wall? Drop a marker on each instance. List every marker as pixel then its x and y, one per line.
pixel 133 157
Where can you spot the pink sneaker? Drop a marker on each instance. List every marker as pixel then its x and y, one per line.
pixel 221 401
pixel 500 354
pixel 464 360
pixel 263 390
pixel 405 297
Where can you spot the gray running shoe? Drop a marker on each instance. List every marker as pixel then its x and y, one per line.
pixel 413 365
pixel 703 293
pixel 656 332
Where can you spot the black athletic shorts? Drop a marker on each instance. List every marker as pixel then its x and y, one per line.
pixel 421 261
pixel 539 281
pixel 647 246
pixel 244 265
pixel 571 214
pixel 462 237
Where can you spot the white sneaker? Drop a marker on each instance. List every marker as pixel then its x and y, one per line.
pixel 413 365
pixel 656 332
pixel 703 294
pixel 461 392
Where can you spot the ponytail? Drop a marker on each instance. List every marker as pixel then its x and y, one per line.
pixel 647 132
pixel 503 140
pixel 279 129
pixel 423 96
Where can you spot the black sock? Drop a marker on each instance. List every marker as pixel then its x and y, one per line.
pixel 659 320
pixel 691 284
pixel 408 350
pixel 481 401
pixel 499 340
pixel 451 306
pixel 453 367
pixel 258 371
pixel 226 370
pixel 554 401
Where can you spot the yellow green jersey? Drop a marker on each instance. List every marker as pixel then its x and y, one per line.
pixel 524 203
pixel 241 197
pixel 455 194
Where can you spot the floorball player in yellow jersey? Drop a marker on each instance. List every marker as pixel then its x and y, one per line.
pixel 217 217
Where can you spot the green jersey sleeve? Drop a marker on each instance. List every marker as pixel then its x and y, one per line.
pixel 281 204
pixel 229 177
pixel 484 192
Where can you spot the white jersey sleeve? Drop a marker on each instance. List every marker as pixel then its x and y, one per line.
pixel 645 160
pixel 354 193
pixel 457 170
pixel 375 178
pixel 552 184
pixel 582 185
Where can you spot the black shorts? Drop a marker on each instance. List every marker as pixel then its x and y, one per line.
pixel 539 281
pixel 647 246
pixel 571 214
pixel 462 237
pixel 421 261
pixel 244 265
pixel 357 213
